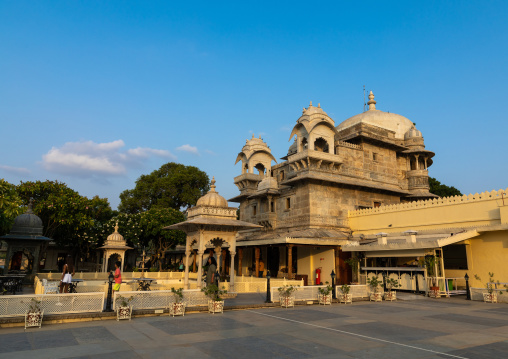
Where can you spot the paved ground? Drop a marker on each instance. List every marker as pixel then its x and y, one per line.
pixel 426 328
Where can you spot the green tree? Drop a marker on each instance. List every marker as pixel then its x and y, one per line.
pixel 72 220
pixel 442 190
pixel 10 206
pixel 172 186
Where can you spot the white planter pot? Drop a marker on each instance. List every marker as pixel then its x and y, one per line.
pixel 325 299
pixel 391 295
pixel 490 298
pixel 177 309
pixel 346 298
pixel 376 297
pixel 434 292
pixel 216 306
pixel 287 301
pixel 33 319
pixel 124 313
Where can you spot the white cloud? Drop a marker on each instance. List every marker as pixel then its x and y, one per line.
pixel 15 170
pixel 188 148
pixel 88 158
pixel 210 152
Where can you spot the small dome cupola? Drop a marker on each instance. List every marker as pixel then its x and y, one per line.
pixel 413 133
pixel 212 198
pixel 27 223
pixel 255 155
pixel 115 236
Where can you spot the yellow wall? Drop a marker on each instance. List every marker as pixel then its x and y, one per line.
pixel 311 258
pixel 460 211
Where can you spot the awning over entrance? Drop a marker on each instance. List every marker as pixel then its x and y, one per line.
pixel 313 236
pixel 399 243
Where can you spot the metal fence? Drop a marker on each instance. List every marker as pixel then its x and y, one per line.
pixel 161 299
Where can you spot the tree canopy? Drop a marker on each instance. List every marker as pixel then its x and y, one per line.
pixel 10 206
pixel 172 186
pixel 442 190
pixel 70 219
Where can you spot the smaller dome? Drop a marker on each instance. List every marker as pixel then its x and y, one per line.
pixel 27 223
pixel 115 236
pixel 311 110
pixel 412 133
pixel 268 183
pixel 212 198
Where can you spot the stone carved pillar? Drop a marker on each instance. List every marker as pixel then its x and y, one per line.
pixel 218 254
pixel 417 162
pixel 186 276
pixel 257 254
pixel 232 272
pixel 290 261
pixel 195 261
pixel 240 257
pixel 200 269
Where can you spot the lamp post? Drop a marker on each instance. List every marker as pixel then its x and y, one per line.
pixel 268 287
pixel 109 302
pixel 468 293
pixel 333 284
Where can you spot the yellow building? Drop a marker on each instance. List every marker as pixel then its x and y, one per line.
pixel 467 234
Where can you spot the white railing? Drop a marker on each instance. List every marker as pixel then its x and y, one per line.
pixel 257 285
pixel 477 294
pixel 356 290
pixel 125 275
pixel 18 305
pixel 161 298
pixel 302 293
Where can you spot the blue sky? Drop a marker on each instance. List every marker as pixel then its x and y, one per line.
pixel 96 93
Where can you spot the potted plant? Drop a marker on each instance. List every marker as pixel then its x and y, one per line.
pixel 325 295
pixel 345 297
pixel 33 317
pixel 286 295
pixel 178 306
pixel 429 261
pixel 390 285
pixel 124 310
pixel 216 302
pixel 491 295
pixel 374 283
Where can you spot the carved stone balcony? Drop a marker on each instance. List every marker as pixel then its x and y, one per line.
pixel 314 159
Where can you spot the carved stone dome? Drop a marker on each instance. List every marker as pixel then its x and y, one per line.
pixel 412 133
pixel 27 223
pixel 212 198
pixel 293 148
pixel 390 121
pixel 115 236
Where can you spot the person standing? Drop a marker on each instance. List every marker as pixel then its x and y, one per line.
pixel 212 268
pixel 181 267
pixel 118 276
pixel 261 268
pixel 67 273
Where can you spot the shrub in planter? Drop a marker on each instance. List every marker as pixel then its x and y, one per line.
pixel 216 302
pixel 345 297
pixel 374 283
pixel 33 317
pixel 491 295
pixel 390 285
pixel 325 295
pixel 177 307
pixel 286 295
pixel 124 310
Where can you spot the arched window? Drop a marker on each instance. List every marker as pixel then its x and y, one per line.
pixel 260 168
pixel 412 162
pixel 321 145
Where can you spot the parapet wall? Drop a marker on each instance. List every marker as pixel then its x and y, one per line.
pixel 482 209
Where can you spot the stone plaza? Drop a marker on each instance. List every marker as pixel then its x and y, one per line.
pixel 418 327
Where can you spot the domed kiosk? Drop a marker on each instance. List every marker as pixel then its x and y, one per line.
pixel 114 249
pixel 24 243
pixel 211 224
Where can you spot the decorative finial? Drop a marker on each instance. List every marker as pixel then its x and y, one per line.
pixel 310 104
pixel 260 137
pixel 30 206
pixel 319 105
pixel 212 187
pixel 253 135
pixel 372 102
pixel 304 109
pixel 116 227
